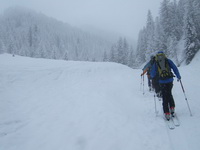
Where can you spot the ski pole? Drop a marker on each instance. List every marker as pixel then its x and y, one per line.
pixel 186 98
pixel 143 84
pixel 156 111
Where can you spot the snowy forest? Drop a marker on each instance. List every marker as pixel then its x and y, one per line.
pixel 176 31
pixel 28 33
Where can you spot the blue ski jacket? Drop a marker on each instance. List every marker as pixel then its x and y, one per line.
pixel 147 65
pixel 172 66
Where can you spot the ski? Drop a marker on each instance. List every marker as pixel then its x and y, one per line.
pixel 175 120
pixel 169 123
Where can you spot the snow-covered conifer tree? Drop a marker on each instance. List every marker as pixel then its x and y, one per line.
pixel 191 35
pixel 150 35
pixel 141 47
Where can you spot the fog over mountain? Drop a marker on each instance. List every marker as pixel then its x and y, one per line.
pixel 28 33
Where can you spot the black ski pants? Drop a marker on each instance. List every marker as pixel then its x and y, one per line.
pixel 156 85
pixel 168 100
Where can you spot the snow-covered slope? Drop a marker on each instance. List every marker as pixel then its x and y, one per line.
pixel 63 105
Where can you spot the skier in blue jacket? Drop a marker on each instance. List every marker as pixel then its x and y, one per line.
pixel 147 69
pixel 163 67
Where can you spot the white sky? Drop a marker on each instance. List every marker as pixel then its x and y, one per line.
pixel 123 16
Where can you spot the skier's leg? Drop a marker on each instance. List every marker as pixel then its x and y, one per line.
pixel 165 98
pixel 171 99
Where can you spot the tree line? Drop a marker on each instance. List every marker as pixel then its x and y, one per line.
pixel 27 33
pixel 176 31
pixel 121 52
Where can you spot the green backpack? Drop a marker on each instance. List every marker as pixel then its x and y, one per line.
pixel 164 70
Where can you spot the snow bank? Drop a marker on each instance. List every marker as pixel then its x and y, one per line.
pixel 66 105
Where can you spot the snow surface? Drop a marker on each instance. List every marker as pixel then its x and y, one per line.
pixel 66 105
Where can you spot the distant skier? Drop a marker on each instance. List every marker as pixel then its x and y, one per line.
pixel 147 69
pixel 163 67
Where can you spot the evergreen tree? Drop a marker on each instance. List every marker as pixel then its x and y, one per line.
pixel 2 48
pixel 113 55
pixel 105 57
pixel 120 51
pixel 150 35
pixel 191 35
pixel 196 5
pixel 159 36
pixel 131 58
pixel 125 52
pixel 66 56
pixel 141 47
pixel 165 23
pixel 165 17
pixel 177 20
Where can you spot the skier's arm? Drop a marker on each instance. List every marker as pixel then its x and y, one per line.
pixel 146 66
pixel 153 71
pixel 144 71
pixel 174 68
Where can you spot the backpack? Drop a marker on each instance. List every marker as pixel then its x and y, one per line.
pixel 164 70
pixel 152 61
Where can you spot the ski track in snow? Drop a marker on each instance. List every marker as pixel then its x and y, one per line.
pixel 59 105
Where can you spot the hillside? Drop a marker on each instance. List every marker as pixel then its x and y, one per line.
pixel 28 33
pixel 67 105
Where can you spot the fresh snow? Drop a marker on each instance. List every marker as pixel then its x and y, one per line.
pixel 66 105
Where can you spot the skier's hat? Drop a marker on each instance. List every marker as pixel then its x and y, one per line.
pixel 160 52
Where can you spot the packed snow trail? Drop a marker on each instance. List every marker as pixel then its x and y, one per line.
pixel 58 105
